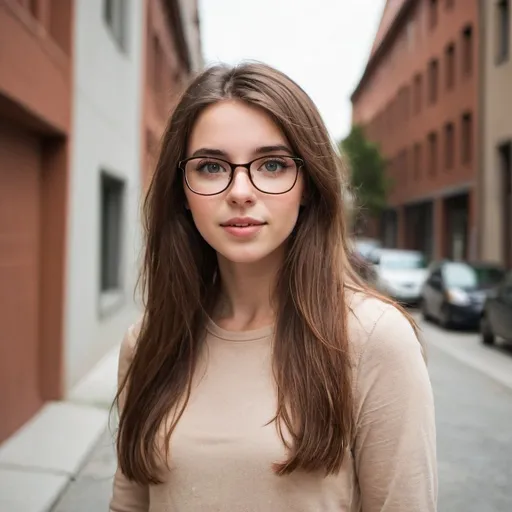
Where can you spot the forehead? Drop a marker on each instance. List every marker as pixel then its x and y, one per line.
pixel 235 127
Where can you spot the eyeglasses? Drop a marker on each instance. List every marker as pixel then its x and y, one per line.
pixel 208 176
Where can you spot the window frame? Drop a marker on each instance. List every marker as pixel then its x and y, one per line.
pixel 111 296
pixel 467 51
pixel 502 49
pixel 116 19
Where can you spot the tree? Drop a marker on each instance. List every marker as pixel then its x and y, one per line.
pixel 367 171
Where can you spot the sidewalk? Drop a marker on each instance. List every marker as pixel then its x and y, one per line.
pixel 38 462
pixel 493 361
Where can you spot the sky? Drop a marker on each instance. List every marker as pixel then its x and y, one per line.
pixel 321 44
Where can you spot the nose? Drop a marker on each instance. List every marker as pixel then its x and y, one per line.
pixel 241 192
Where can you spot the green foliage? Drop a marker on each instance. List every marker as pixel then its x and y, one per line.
pixel 367 171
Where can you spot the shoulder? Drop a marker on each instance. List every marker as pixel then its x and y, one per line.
pixel 379 330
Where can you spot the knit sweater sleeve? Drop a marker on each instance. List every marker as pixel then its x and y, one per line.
pixel 395 446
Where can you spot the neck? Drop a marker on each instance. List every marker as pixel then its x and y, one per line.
pixel 247 290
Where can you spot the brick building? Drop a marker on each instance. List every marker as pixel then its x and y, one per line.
pixel 178 53
pixel 419 99
pixel 496 139
pixel 82 83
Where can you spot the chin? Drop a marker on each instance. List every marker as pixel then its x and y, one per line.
pixel 244 255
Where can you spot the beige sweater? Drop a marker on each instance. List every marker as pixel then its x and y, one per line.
pixel 221 452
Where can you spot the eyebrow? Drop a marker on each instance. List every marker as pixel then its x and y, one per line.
pixel 263 150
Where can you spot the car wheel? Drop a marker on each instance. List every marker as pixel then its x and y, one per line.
pixel 444 318
pixel 488 337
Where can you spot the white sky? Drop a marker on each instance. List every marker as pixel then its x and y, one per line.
pixel 321 44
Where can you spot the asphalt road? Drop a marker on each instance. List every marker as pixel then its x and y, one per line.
pixel 473 392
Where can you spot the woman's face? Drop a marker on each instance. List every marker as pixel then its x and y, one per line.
pixel 243 224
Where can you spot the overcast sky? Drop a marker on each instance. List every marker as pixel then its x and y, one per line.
pixel 321 44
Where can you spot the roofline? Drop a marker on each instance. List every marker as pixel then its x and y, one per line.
pixel 382 48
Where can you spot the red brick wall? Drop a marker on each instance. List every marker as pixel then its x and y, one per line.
pixel 35 115
pixel 384 106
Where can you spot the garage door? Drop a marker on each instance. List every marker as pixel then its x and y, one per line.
pixel 20 203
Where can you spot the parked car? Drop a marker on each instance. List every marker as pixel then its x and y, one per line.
pixel 496 319
pixel 365 246
pixel 399 274
pixel 454 292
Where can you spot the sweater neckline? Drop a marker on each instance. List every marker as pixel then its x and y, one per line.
pixel 251 335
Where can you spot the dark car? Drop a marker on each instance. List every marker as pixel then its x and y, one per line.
pixel 454 292
pixel 496 320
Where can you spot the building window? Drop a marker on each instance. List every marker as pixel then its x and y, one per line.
pixel 407 102
pixel 467 50
pixel 417 161
pixel 405 165
pixel 502 30
pixel 158 63
pixel 467 138
pixel 450 66
pixel 505 160
pixel 432 153
pixel 111 232
pixel 34 8
pixel 115 14
pixel 433 76
pixel 432 13
pixel 394 113
pixel 418 91
pixel 449 146
pixel 410 33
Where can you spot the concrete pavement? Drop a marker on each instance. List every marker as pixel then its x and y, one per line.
pixel 39 461
pixel 474 437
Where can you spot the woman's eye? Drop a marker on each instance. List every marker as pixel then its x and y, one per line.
pixel 211 168
pixel 273 166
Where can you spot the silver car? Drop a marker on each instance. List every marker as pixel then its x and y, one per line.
pixel 400 274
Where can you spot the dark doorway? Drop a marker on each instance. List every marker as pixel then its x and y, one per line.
pixel 505 156
pixel 389 228
pixel 457 224
pixel 419 228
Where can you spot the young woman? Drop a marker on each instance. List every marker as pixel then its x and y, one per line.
pixel 264 375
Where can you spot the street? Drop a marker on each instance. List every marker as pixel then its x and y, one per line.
pixel 474 417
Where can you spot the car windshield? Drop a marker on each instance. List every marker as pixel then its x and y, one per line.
pixel 364 248
pixel 402 260
pixel 462 275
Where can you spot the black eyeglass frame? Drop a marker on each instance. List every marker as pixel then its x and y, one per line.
pixel 247 167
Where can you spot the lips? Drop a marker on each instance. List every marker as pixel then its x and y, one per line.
pixel 243 228
pixel 242 223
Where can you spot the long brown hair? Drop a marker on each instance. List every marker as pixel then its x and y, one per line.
pixel 311 357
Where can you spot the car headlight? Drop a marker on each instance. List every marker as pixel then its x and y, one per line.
pixel 458 297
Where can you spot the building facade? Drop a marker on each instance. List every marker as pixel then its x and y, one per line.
pixel 171 57
pixel 74 114
pixel 496 138
pixel 36 90
pixel 419 100
pixel 104 191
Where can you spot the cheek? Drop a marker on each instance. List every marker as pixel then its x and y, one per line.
pixel 203 210
pixel 284 210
